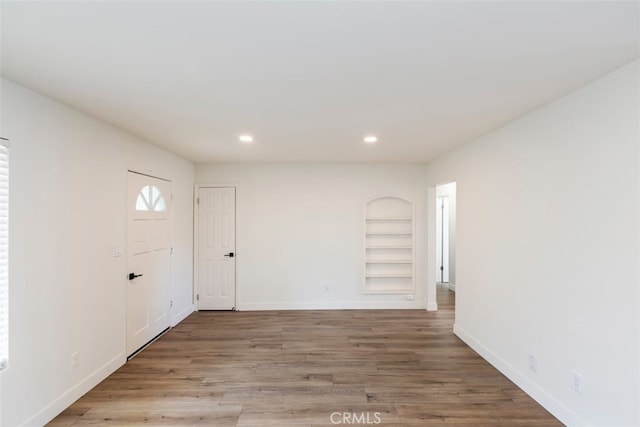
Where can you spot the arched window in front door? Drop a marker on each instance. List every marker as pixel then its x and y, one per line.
pixel 150 198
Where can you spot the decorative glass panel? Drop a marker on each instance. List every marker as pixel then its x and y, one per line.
pixel 150 198
pixel 155 193
pixel 141 202
pixel 160 207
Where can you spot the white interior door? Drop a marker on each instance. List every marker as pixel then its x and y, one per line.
pixel 148 259
pixel 442 239
pixel 216 248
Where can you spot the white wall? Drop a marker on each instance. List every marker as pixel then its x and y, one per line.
pixel 300 226
pixel 449 190
pixel 547 245
pixel 547 249
pixel 67 292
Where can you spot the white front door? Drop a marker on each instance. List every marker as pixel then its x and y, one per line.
pixel 148 259
pixel 216 248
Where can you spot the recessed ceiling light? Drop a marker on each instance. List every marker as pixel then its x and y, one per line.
pixel 245 138
pixel 370 139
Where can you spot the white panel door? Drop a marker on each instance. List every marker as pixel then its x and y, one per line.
pixel 148 259
pixel 216 248
pixel 442 239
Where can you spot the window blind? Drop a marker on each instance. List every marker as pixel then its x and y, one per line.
pixel 4 254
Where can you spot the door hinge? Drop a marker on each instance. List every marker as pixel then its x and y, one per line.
pixel 198 200
pixel 198 297
pixel 441 268
pixel 171 251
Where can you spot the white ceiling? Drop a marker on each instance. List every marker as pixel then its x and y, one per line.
pixel 310 79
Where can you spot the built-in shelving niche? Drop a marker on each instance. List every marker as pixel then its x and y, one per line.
pixel 389 246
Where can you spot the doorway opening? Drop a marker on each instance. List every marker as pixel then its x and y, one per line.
pixel 446 235
pixel 442 239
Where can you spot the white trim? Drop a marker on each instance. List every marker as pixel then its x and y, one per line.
pixel 4 254
pixel 431 287
pixel 333 305
pixel 540 395
pixel 194 249
pixel 58 405
pixel 183 315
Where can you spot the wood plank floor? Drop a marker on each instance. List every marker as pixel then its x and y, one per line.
pixel 309 368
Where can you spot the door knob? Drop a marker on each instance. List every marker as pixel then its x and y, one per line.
pixel 133 276
pixel 230 255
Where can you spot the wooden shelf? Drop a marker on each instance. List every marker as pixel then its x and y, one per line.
pixel 390 247
pixel 388 291
pixel 389 219
pixel 389 261
pixel 389 233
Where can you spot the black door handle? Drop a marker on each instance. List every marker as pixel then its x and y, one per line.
pixel 133 276
pixel 230 255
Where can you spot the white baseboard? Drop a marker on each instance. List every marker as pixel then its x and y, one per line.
pixel 61 403
pixel 540 395
pixel 332 305
pixel 432 306
pixel 182 315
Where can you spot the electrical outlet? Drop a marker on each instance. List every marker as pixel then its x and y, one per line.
pixel 326 288
pixel 410 297
pixel 75 360
pixel 533 363
pixel 576 381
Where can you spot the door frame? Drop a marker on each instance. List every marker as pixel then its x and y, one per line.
pixel 432 267
pixel 196 239
pixel 126 256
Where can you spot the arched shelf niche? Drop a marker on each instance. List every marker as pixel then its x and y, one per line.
pixel 389 246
